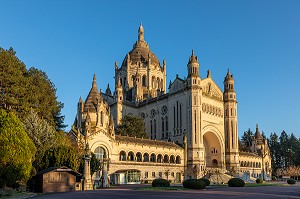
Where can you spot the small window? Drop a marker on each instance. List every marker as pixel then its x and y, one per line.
pixel 160 174
pixel 146 174
pixel 153 174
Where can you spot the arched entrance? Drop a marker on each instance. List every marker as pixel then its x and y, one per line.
pixel 213 151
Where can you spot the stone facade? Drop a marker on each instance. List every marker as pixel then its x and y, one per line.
pixel 194 125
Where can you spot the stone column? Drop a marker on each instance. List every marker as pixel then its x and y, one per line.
pixel 87 181
pixel 104 174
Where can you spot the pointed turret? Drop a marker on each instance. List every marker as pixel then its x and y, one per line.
pixel 108 91
pixel 257 136
pixel 92 98
pixel 193 66
pixel 119 91
pixel 141 33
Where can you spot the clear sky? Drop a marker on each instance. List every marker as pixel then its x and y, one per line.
pixel 258 40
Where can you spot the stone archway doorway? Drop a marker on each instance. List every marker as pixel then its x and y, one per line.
pixel 213 151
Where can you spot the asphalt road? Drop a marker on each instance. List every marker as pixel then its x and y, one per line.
pixel 128 192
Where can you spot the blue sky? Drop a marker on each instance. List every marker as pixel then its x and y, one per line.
pixel 258 40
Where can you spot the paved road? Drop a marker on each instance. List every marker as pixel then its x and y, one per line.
pixel 127 192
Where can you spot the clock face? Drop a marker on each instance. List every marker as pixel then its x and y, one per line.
pixel 152 113
pixel 164 110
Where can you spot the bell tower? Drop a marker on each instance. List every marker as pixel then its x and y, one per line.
pixel 230 124
pixel 195 145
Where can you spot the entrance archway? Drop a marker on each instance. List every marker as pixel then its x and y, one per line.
pixel 213 150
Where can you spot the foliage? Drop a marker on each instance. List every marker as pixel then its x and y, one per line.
pixel 236 182
pixel 291 181
pixel 61 156
pixel 285 151
pixel 207 182
pixel 16 150
pixel 259 180
pixel 132 126
pixel 246 140
pixel 23 90
pixel 160 183
pixel 42 134
pixel 94 164
pixel 194 184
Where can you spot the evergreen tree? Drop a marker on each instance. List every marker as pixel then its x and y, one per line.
pixel 23 90
pixel 16 150
pixel 132 126
pixel 246 140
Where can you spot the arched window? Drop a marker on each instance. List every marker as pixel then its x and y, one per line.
pixel 167 124
pixel 152 157
pixel 154 128
pixel 100 153
pixel 215 163
pixel 146 157
pixel 178 159
pixel 138 157
pixel 159 158
pixel 101 118
pixel 157 83
pixel 130 156
pixel 151 129
pixel 122 156
pixel 166 159
pixel 162 124
pixel 153 82
pixel 144 80
pixel 172 159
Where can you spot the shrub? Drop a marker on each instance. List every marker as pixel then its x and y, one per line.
pixel 236 182
pixel 259 180
pixel 291 181
pixel 274 178
pixel 194 184
pixel 207 182
pixel 160 183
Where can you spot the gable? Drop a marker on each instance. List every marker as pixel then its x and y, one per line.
pixel 211 89
pixel 176 85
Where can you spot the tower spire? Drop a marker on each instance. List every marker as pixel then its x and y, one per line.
pixel 94 81
pixel 141 33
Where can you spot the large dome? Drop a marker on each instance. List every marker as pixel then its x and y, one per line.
pixel 141 52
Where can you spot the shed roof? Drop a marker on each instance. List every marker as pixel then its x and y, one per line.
pixel 59 169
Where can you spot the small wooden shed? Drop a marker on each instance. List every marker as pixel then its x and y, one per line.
pixel 56 179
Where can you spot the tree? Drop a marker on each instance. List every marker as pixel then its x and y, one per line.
pixel 132 126
pixel 40 131
pixel 42 134
pixel 61 156
pixel 16 150
pixel 247 140
pixel 23 90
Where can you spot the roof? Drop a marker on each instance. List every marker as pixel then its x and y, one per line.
pixel 59 169
pixel 258 136
pixel 148 142
pixel 92 98
pixel 140 52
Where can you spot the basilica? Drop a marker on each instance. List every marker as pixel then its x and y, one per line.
pixel 192 125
